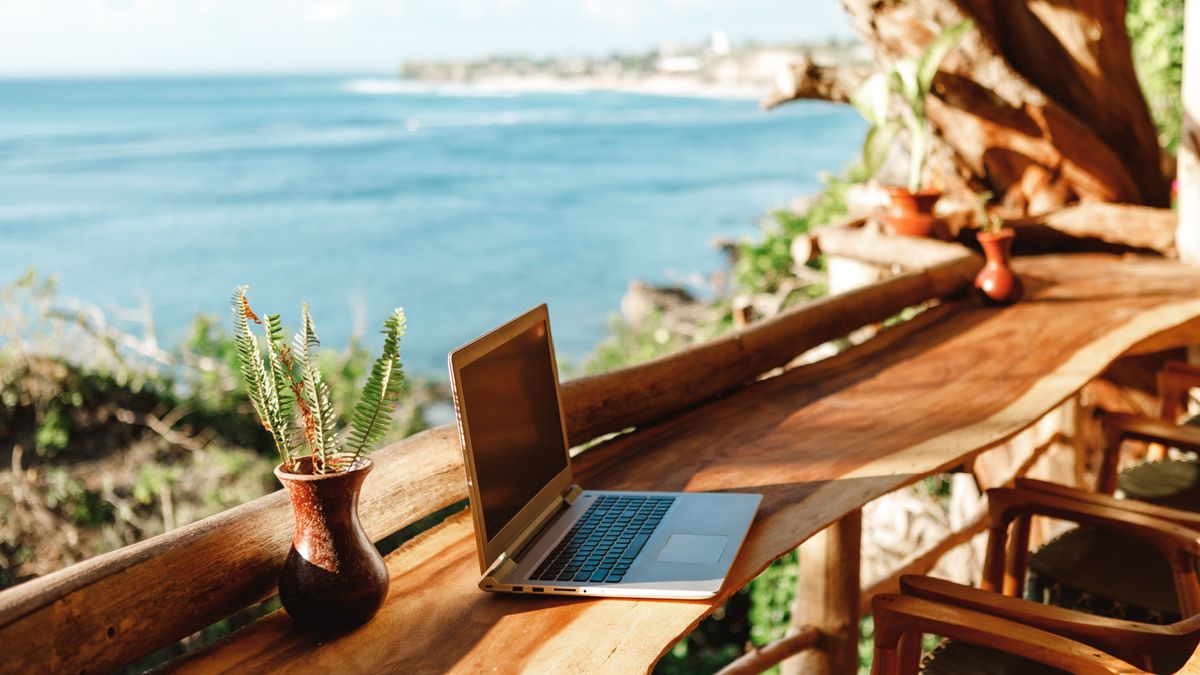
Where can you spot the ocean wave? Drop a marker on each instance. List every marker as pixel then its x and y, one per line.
pixel 398 87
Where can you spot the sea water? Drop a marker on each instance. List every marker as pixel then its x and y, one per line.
pixel 464 205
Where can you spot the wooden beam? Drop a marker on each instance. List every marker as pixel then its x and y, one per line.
pixel 1099 226
pixel 112 609
pixel 865 245
pixel 922 562
pixel 827 599
pixel 653 390
pixel 761 658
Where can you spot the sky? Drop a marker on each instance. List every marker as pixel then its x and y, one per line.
pixel 113 37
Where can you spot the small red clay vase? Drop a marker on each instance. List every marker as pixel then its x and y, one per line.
pixel 333 578
pixel 997 283
pixel 911 213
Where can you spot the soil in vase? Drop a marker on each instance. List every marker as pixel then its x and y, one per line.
pixel 333 578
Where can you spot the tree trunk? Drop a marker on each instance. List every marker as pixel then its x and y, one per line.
pixel 1039 103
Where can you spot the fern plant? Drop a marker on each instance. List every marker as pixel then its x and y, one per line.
pixel 289 386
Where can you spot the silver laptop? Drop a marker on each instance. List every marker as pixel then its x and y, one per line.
pixel 535 529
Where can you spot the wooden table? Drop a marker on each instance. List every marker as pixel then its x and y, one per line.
pixel 818 441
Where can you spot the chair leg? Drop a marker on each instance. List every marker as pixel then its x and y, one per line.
pixel 909 652
pixel 993 562
pixel 1186 583
pixel 903 659
pixel 1110 461
pixel 1015 561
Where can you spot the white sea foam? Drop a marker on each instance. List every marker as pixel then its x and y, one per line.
pixel 398 87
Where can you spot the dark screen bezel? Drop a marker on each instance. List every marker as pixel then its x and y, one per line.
pixel 489 549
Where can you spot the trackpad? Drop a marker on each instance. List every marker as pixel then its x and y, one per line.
pixel 701 549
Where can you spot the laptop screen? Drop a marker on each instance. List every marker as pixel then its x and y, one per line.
pixel 509 396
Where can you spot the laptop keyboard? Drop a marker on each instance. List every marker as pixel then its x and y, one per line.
pixel 603 543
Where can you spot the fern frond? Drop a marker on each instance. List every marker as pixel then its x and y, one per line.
pixel 319 417
pixel 280 393
pixel 259 387
pixel 373 413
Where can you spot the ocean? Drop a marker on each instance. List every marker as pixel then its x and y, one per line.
pixel 465 206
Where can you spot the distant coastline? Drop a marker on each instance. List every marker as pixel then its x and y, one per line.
pixel 714 69
pixel 523 84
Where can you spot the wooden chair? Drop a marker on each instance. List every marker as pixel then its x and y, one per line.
pixel 1172 482
pixel 995 634
pixel 1088 567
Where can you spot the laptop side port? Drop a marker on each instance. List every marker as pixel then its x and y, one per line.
pixel 565 590
pixel 518 589
pixel 538 589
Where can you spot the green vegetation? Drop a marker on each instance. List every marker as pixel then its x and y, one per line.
pixel 292 381
pixel 1156 31
pixel 111 439
pixel 909 81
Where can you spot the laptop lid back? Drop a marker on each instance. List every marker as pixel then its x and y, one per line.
pixel 510 423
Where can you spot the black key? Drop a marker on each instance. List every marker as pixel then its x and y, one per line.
pixel 614 577
pixel 635 546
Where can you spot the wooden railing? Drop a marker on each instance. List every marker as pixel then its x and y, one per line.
pixel 123 605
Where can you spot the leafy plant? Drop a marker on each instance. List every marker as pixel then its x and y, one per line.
pixel 290 382
pixel 909 80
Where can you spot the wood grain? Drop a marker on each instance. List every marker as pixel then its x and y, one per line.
pixel 818 442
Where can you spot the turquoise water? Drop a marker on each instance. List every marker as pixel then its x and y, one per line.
pixel 465 207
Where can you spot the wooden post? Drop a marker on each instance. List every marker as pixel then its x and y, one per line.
pixel 827 599
pixel 1187 231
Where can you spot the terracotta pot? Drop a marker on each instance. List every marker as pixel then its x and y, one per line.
pixel 333 577
pixel 911 213
pixel 996 282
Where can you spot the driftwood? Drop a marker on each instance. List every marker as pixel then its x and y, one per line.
pixel 1099 227
pixel 807 79
pixel 817 441
pixel 1041 106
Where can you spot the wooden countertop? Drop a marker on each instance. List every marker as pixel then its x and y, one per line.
pixel 818 442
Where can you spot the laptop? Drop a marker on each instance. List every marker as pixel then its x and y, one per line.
pixel 536 531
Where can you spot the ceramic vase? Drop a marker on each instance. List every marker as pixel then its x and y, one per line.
pixel 996 282
pixel 910 214
pixel 333 578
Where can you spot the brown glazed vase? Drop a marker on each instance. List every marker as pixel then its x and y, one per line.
pixel 911 213
pixel 997 283
pixel 333 577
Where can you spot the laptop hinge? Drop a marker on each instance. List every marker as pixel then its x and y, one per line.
pixel 509 557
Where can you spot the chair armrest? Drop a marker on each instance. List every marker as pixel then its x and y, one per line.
pixel 1122 426
pixel 1179 517
pixel 1129 640
pixel 896 615
pixel 1185 372
pixel 1006 504
pixel 1174 381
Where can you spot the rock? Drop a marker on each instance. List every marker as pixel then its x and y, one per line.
pixel 643 301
